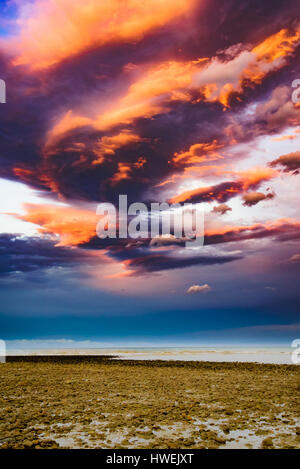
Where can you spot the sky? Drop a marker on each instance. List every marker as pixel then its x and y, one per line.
pixel 181 101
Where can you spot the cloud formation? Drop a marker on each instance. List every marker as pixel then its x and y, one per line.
pixel 167 261
pixel 73 226
pixel 23 255
pixel 224 191
pixel 295 258
pixel 221 209
pixel 252 198
pixel 142 99
pixel 198 289
pixel 81 26
pixel 290 162
pixel 281 230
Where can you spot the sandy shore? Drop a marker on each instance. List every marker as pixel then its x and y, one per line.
pixel 276 355
pixel 92 402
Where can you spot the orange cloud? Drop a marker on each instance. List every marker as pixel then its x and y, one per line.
pixel 125 169
pixel 220 79
pixel 277 46
pixel 73 226
pixel 284 137
pixel 23 173
pixel 68 122
pixel 251 178
pixel 199 153
pixel 220 192
pixel 107 146
pixel 151 93
pixel 157 86
pixel 193 172
pixel 56 29
pixel 224 191
pixel 123 172
pixel 37 176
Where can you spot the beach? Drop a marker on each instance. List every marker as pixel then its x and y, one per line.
pixel 86 401
pixel 250 354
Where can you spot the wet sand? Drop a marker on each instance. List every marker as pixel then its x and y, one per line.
pixel 95 402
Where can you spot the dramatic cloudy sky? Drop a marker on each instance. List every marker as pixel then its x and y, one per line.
pixel 165 101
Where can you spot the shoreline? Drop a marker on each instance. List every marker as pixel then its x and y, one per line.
pixel 116 360
pixel 271 355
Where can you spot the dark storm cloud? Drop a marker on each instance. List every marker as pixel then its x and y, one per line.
pixel 139 255
pixel 21 254
pixel 159 262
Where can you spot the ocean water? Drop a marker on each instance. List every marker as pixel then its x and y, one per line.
pixel 276 355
